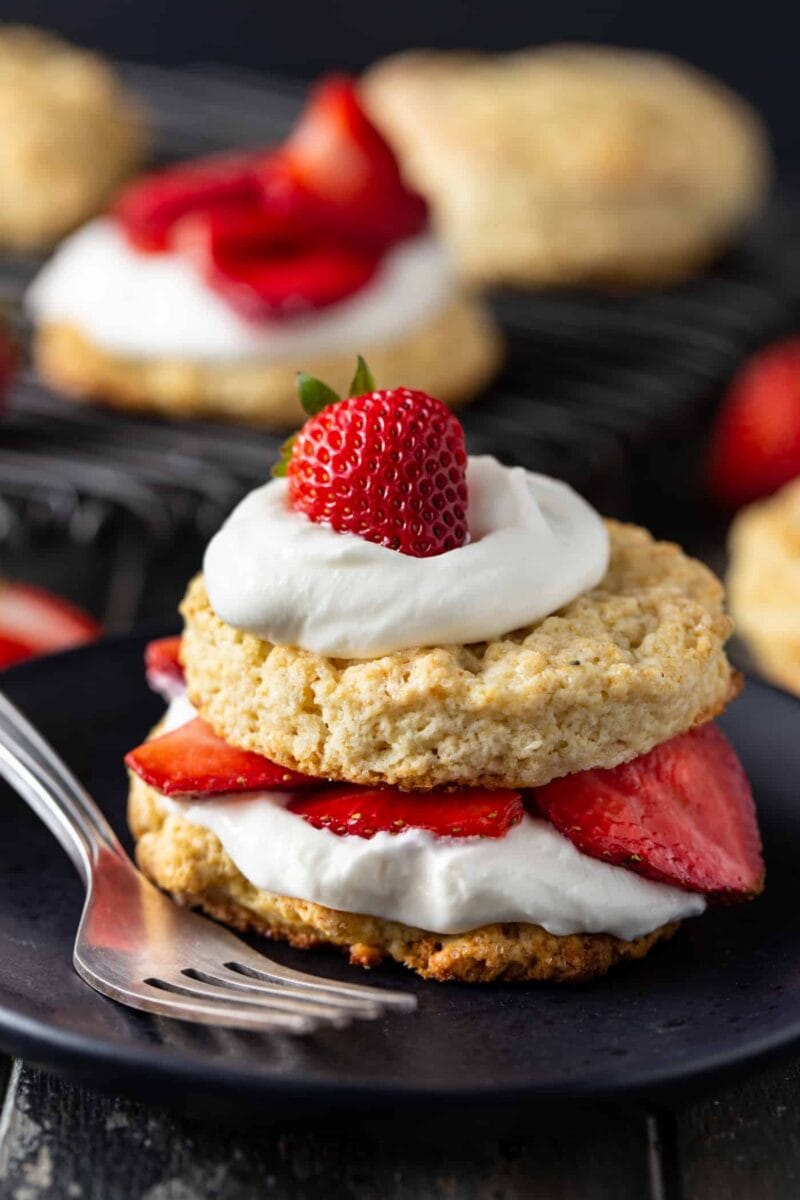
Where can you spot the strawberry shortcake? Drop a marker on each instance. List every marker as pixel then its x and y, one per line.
pixel 434 708
pixel 209 284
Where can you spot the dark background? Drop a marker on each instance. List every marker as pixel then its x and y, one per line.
pixel 752 46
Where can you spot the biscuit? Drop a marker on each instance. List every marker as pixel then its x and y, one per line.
pixel 622 668
pixel 573 164
pixel 764 583
pixel 452 356
pixel 190 863
pixel 69 135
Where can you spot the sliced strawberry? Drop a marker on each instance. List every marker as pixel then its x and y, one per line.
pixel 682 814
pixel 149 208
pixel 363 811
pixel 264 266
pixel 341 172
pixel 12 651
pixel 163 667
pixel 755 443
pixel 9 357
pixel 193 760
pixel 33 621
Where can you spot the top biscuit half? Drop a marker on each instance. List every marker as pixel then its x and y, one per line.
pixel 633 662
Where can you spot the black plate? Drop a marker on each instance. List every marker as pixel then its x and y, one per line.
pixel 725 993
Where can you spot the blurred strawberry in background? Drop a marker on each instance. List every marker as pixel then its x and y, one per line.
pixel 341 174
pixel 8 358
pixel 755 442
pixel 33 621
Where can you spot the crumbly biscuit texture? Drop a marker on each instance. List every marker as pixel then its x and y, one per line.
pixel 633 662
pixel 69 135
pixel 764 584
pixel 191 863
pixel 573 164
pixel 453 356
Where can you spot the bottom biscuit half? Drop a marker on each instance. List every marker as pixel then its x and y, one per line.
pixel 190 863
pixel 453 357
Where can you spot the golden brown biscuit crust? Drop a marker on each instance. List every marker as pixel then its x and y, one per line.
pixel 69 135
pixel 621 669
pixel 573 164
pixel 453 356
pixel 764 583
pixel 190 862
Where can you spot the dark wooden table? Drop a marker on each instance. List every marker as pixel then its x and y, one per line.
pixel 58 1140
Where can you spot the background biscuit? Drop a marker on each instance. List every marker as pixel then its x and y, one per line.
pixel 573 164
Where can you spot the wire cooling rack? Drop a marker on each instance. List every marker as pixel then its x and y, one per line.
pixel 612 393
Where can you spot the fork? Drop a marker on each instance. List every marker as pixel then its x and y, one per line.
pixel 138 947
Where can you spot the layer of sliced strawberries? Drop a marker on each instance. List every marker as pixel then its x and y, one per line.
pixel 193 760
pixel 299 227
pixel 33 622
pixel 264 265
pixel 683 814
pixel 163 667
pixel 365 811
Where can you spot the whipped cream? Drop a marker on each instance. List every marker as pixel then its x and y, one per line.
pixel 156 305
pixel 534 546
pixel 445 885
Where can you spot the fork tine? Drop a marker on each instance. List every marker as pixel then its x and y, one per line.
pixel 256 966
pixel 240 986
pixel 206 1011
pixel 193 983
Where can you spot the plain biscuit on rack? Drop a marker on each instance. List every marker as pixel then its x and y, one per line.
pixel 620 669
pixel 69 135
pixel 190 863
pixel 573 164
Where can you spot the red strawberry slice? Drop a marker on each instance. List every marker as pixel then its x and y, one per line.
pixel 12 651
pixel 33 621
pixel 681 814
pixel 338 168
pixel 163 667
pixel 8 360
pixel 264 265
pixel 363 812
pixel 193 760
pixel 755 443
pixel 149 208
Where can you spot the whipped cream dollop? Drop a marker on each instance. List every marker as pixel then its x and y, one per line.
pixel 535 544
pixel 156 305
pixel 445 885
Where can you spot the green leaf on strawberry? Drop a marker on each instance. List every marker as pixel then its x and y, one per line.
pixel 314 394
pixel 285 452
pixel 363 380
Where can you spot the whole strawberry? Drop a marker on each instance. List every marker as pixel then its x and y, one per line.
pixel 388 466
pixel 755 443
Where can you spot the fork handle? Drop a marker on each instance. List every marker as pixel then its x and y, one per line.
pixel 43 779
